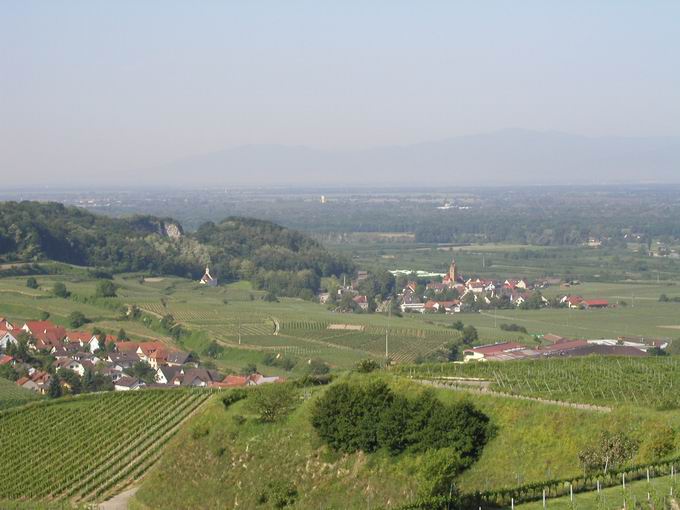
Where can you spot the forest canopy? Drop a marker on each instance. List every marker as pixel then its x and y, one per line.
pixel 273 257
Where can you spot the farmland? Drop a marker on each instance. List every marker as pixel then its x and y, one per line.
pixel 45 452
pixel 237 317
pixel 641 382
pixel 12 395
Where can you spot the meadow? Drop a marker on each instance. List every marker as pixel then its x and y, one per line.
pixel 82 449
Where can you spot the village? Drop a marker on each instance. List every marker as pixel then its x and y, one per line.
pixel 454 293
pixel 39 350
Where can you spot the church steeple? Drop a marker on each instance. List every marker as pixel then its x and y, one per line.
pixel 453 271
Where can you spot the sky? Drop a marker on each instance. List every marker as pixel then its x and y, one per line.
pixel 90 89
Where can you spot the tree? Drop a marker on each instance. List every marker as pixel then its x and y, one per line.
pixel 105 289
pixel 76 319
pixel 44 315
pixel 213 350
pixel 469 334
pixel 60 290
pixel 71 379
pixel 609 451
pixel 31 283
pixel 142 370
pixel 21 352
pixel 54 389
pixel 122 335
pixel 273 401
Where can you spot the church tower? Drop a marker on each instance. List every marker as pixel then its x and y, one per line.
pixel 453 271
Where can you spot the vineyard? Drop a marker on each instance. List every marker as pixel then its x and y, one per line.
pixel 405 344
pixel 13 395
pixel 84 448
pixel 646 382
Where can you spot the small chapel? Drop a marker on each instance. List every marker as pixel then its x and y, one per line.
pixel 207 279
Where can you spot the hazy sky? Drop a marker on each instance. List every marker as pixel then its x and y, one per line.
pixel 90 87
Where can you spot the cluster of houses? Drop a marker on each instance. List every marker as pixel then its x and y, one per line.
pixel 80 351
pixel 560 346
pixel 515 292
pixel 360 300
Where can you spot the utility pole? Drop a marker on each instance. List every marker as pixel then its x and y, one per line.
pixel 387 331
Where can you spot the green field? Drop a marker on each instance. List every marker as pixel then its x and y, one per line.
pixel 13 395
pixel 84 448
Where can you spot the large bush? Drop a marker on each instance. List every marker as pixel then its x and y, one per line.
pixel 353 417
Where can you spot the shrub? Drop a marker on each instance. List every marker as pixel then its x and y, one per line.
pixel 60 290
pixel 352 417
pixel 105 289
pixel 279 493
pixel 658 442
pixel 438 470
pixel 514 327
pixel 272 402
pixel 367 365
pixel 199 431
pixel 317 367
pixel 77 319
pixel 233 396
pixel 469 334
pixel 31 283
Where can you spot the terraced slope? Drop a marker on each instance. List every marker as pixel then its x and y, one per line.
pixel 83 448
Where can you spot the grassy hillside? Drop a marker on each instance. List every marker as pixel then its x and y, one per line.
pixel 229 462
pixel 80 449
pixel 12 395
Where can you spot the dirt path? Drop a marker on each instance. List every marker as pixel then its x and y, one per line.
pixel 486 391
pixel 120 501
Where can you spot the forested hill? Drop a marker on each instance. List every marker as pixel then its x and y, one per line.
pixel 276 258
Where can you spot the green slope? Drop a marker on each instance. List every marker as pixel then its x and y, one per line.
pixel 230 463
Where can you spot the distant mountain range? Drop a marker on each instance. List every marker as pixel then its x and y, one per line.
pixel 510 156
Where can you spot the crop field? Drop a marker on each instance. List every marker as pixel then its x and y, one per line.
pixel 646 382
pixel 13 395
pixel 80 449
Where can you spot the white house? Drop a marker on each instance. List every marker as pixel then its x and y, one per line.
pixel 6 338
pixel 70 364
